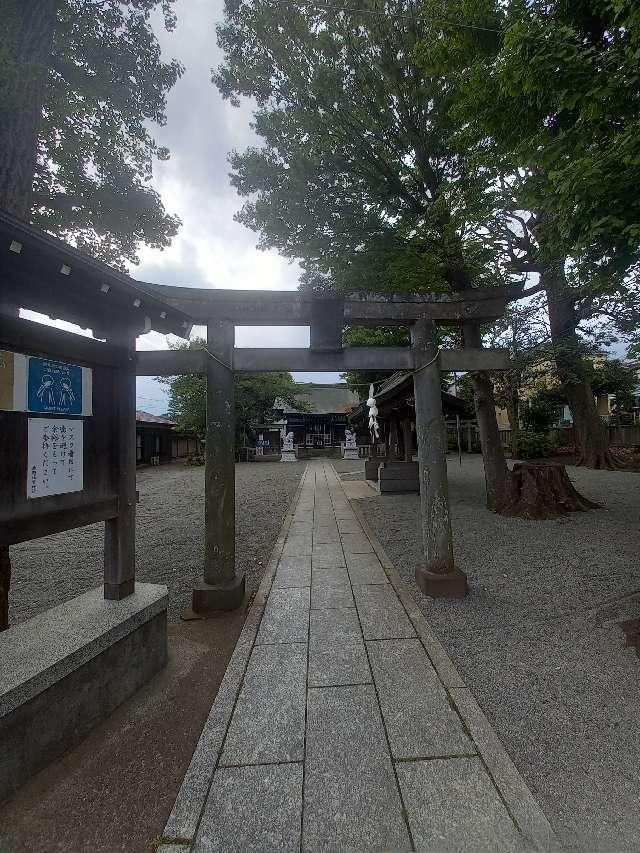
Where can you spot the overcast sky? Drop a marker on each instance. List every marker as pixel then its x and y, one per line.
pixel 211 249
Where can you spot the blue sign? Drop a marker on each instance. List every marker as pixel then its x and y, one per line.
pixel 54 387
pixel 263 442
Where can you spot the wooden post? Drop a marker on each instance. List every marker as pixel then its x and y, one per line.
pixel 406 437
pixel 222 589
pixel 393 438
pixel 439 578
pixel 120 532
pixel 11 310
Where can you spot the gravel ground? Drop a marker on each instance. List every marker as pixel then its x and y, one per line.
pixel 537 641
pixel 169 546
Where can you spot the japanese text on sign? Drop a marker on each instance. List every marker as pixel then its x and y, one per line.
pixel 55 461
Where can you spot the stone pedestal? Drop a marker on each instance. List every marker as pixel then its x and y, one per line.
pixel 288 450
pixel 350 453
pixel 450 585
pixel 398 477
pixel 211 598
pixel 371 466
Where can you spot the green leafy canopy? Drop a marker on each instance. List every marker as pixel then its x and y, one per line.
pixel 254 395
pixel 105 86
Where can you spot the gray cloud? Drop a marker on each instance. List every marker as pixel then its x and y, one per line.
pixel 211 249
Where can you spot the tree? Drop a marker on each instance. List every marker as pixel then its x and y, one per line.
pixel 80 80
pixel 80 83
pixel 522 331
pixel 254 394
pixel 384 336
pixel 511 81
pixel 357 176
pixel 612 376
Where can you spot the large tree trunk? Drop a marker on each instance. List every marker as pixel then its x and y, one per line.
pixel 496 471
pixel 529 491
pixel 592 445
pixel 26 43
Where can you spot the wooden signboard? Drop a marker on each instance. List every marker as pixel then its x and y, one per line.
pixel 58 461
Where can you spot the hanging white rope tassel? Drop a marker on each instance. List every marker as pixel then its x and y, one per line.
pixel 374 429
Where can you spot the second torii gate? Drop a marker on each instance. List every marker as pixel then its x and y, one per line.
pixel 220 311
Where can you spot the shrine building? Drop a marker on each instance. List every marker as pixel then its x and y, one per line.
pixel 321 420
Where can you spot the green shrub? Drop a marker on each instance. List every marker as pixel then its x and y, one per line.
pixel 534 445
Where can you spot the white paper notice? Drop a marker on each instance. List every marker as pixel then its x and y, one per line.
pixel 55 457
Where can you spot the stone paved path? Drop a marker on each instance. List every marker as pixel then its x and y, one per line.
pixel 341 724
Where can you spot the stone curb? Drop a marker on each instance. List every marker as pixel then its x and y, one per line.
pixel 180 830
pixel 521 803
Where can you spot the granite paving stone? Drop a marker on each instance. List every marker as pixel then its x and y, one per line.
pixel 363 561
pixel 334 663
pixel 381 614
pixel 453 805
pixel 360 575
pixel 351 800
pixel 297 546
pixel 329 576
pixel 419 720
pixel 292 572
pixel 328 562
pixel 301 528
pixel 335 625
pixel 342 737
pixel 349 526
pixel 325 536
pixel 268 721
pixel 289 562
pixel 327 549
pixel 286 617
pixel 323 597
pixel 292 577
pixel 354 543
pixel 253 810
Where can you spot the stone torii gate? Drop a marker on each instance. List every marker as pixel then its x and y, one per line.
pixel 220 311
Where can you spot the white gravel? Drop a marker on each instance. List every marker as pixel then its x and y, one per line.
pixel 169 538
pixel 537 641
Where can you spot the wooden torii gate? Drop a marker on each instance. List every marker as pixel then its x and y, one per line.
pixel 220 311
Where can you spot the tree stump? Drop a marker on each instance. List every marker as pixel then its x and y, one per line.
pixel 543 491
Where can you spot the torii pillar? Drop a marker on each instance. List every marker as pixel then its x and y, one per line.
pixel 438 578
pixel 222 588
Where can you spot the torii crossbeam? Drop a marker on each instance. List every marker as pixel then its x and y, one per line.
pixel 326 315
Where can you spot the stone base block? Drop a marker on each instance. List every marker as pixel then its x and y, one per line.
pixel 371 468
pixel 451 585
pixel 399 477
pixel 207 598
pixel 66 670
pixel 351 453
pixel 288 456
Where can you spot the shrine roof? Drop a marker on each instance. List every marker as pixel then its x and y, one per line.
pixel 335 399
pixel 41 273
pixel 148 418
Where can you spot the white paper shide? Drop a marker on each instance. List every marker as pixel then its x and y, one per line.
pixel 54 457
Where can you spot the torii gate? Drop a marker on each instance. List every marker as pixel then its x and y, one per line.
pixel 220 311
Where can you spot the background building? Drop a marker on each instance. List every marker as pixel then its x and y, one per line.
pixel 321 420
